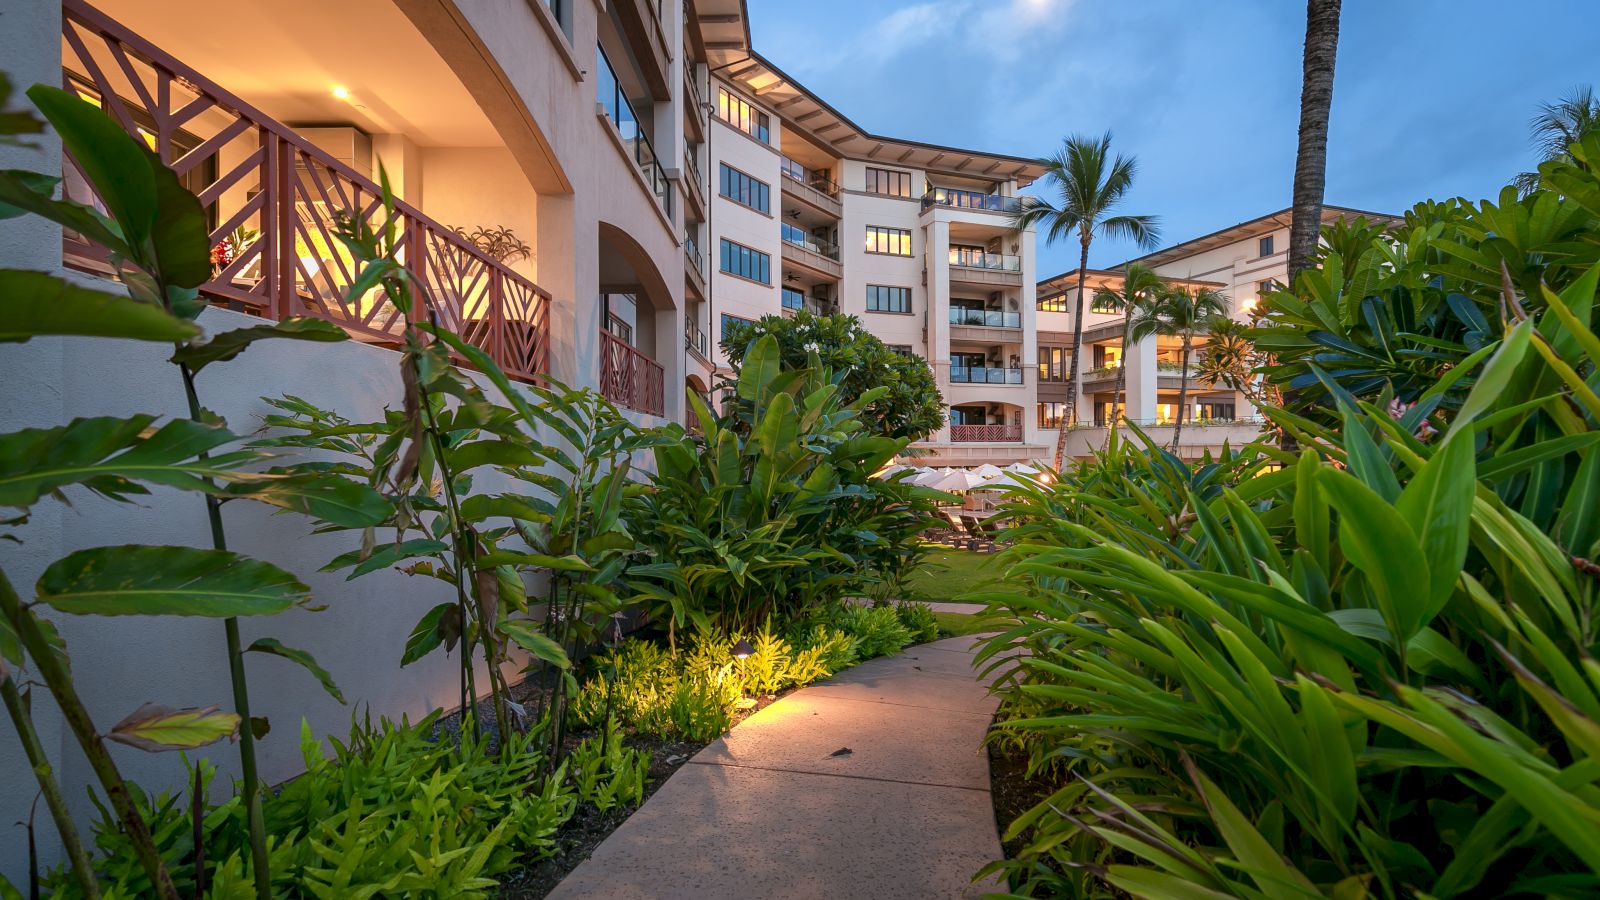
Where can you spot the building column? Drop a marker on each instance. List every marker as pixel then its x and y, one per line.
pixel 1142 374
pixel 938 312
pixel 567 268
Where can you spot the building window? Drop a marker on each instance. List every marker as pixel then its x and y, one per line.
pixel 1052 414
pixel 881 298
pixel 1053 364
pixel 968 415
pixel 737 259
pixel 1266 246
pixel 969 255
pixel 1058 303
pixel 1103 307
pixel 888 182
pixel 903 349
pixel 1262 287
pixel 793 299
pixel 729 321
pixel 744 190
pixel 738 112
pixel 1216 412
pixel 888 241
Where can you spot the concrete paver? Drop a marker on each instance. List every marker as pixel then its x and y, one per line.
pixel 769 812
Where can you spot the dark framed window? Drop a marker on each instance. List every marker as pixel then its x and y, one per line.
pixel 888 182
pixel 1051 414
pixel 1271 284
pixel 1223 412
pixel 888 241
pixel 1097 306
pixel 1053 364
pixel 903 349
pixel 883 298
pixel 968 415
pixel 745 190
pixel 793 299
pixel 728 321
pixel 737 259
pixel 1265 245
pixel 969 255
pixel 741 114
pixel 1058 303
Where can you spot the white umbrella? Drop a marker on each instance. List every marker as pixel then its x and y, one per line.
pixel 891 471
pixel 926 477
pixel 956 481
pixel 1004 480
pixel 987 470
pixel 1022 468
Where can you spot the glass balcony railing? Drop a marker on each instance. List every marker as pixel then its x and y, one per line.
pixel 970 200
pixel 796 172
pixel 608 91
pixel 984 375
pixel 799 238
pixel 988 318
pixel 996 262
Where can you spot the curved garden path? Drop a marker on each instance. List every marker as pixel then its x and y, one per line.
pixel 770 810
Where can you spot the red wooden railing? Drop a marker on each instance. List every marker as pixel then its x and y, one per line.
pixel 629 378
pixel 275 200
pixel 985 434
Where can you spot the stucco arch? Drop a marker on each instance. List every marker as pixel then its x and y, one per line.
pixel 646 279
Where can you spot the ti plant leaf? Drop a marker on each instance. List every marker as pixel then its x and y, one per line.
pixel 138 580
pixel 274 647
pixel 34 304
pixel 154 728
pixel 329 497
pixel 541 646
pixel 229 344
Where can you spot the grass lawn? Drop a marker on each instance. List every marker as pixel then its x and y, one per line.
pixel 946 574
pixel 958 624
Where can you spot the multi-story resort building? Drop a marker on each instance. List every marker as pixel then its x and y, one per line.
pixel 1240 262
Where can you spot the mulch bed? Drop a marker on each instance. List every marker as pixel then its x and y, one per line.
pixel 1013 791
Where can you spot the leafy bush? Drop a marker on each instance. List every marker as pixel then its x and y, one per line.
pixel 395 812
pixel 877 630
pixel 606 774
pixel 919 621
pixel 1363 670
pixel 835 650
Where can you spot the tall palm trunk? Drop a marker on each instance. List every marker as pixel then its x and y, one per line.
pixel 1311 159
pixel 1183 390
pixel 1071 416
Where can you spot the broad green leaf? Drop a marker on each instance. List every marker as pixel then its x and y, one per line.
pixel 439 625
pixel 1265 865
pixel 536 560
pixel 541 646
pixel 110 456
pixel 29 192
pixel 1437 504
pixel 384 555
pixel 154 728
pixel 328 497
pixel 274 647
pixel 180 239
pixel 139 580
pixel 1379 542
pixel 492 452
pixel 761 366
pixel 34 304
pixel 112 161
pixel 229 344
pixel 1486 393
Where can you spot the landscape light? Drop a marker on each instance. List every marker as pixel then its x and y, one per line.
pixel 742 649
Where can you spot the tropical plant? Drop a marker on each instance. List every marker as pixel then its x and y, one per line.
pixel 1360 671
pixel 1231 359
pixel 155 234
pixel 1181 312
pixel 1559 125
pixel 1088 184
pixel 919 621
pixel 607 774
pixel 910 406
pixel 1139 286
pixel 1311 153
pixel 777 513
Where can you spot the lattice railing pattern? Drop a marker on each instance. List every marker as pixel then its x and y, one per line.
pixel 629 378
pixel 275 201
pixel 989 434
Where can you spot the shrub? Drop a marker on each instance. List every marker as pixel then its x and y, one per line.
pixel 835 650
pixel 606 774
pixel 919 621
pixel 1362 670
pixel 877 630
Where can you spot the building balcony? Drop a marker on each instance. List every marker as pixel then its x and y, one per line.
pixel 974 200
pixel 814 189
pixel 277 201
pixel 986 434
pixel 985 375
pixel 694 268
pixel 818 256
pixel 985 318
pixel 614 104
pixel 696 341
pixel 630 379
pixel 985 269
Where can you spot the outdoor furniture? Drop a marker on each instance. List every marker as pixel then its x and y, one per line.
pixel 981 540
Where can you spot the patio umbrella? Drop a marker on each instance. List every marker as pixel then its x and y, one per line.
pixel 926 477
pixel 956 481
pixel 1004 480
pixel 891 471
pixel 987 470
pixel 1022 469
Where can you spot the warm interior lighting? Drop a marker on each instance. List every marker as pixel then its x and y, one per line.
pixel 340 92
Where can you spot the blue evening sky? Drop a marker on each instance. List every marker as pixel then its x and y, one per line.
pixel 1432 97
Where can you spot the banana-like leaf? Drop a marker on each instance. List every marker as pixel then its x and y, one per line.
pixel 229 344
pixel 329 497
pixel 154 728
pixel 274 647
pixel 541 646
pixel 139 580
pixel 35 304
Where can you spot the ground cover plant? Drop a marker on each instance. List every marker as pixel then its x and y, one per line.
pixel 1363 669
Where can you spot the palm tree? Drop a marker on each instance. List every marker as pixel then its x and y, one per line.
pixel 1311 159
pixel 1180 312
pixel 1088 183
pixel 1230 358
pixel 1139 285
pixel 1558 126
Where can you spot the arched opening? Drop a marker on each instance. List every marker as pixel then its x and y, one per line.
pixel 637 330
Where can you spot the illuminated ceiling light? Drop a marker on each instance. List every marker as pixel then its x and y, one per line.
pixel 340 92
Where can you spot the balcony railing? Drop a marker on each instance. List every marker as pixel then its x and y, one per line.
pixel 970 200
pixel 608 92
pixel 986 318
pixel 629 378
pixel 986 434
pixel 808 177
pixel 985 375
pixel 276 201
pixel 994 262
pixel 810 242
pixel 694 338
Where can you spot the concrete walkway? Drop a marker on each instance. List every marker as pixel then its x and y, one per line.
pixel 769 811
